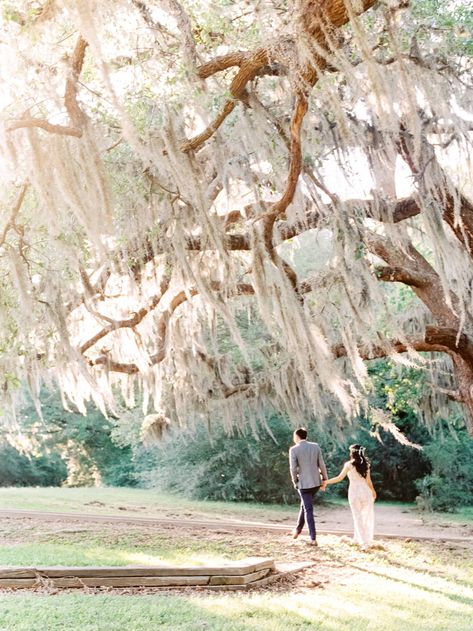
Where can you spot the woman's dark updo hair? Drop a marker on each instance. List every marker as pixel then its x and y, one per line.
pixel 359 460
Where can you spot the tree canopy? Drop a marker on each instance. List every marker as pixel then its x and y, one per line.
pixel 215 207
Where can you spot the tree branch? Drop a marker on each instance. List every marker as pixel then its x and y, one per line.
pixel 16 209
pixel 457 342
pixel 378 352
pixel 131 322
pixel 398 275
pixel 223 62
pixel 198 141
pixel 63 130
pixel 162 329
pixel 76 115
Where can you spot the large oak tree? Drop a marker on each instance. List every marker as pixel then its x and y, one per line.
pixel 164 164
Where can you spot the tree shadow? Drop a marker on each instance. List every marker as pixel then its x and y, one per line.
pixel 451 596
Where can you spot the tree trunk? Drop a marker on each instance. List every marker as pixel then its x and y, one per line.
pixel 464 375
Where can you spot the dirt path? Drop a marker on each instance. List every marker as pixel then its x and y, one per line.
pixel 391 522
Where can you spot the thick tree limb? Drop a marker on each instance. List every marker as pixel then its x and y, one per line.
pixel 223 62
pixel 62 130
pixel 397 275
pixel 131 322
pixel 457 342
pixel 16 209
pixel 423 279
pixel 162 329
pixel 295 166
pixel 76 115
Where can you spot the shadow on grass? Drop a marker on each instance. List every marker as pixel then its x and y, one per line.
pixel 466 600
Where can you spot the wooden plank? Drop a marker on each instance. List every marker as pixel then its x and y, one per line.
pixel 115 581
pixel 17 572
pixel 254 564
pixel 237 568
pixel 238 580
pixel 287 568
pixel 17 583
pixel 212 582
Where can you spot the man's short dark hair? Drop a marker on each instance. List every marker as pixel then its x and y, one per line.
pixel 301 432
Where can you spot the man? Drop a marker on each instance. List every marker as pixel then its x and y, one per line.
pixel 308 472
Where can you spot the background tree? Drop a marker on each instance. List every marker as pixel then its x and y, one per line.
pixel 158 156
pixel 64 448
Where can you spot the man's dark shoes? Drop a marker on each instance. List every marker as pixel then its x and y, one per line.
pixel 312 542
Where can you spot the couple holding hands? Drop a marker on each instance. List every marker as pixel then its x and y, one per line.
pixel 309 474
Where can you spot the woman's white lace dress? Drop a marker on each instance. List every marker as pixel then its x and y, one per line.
pixel 362 507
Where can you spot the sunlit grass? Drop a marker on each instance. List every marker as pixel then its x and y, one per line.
pixel 463 514
pixel 399 586
pixel 363 603
pixel 143 502
pixel 86 554
pixel 23 544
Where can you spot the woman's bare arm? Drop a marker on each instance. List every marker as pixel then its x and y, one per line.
pixel 339 477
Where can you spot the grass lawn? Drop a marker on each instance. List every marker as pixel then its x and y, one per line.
pixel 400 586
pixel 463 514
pixel 403 586
pixel 140 502
pixel 359 607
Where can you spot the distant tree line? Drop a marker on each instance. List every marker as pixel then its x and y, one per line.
pixel 70 449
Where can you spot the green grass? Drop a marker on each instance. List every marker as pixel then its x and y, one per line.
pixel 400 586
pixel 376 597
pixel 26 544
pixel 144 502
pixel 462 515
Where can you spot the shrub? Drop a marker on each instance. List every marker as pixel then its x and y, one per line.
pixel 450 484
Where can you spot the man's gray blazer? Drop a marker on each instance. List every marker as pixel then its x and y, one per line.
pixel 306 464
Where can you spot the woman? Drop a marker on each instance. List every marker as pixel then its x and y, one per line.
pixel 361 494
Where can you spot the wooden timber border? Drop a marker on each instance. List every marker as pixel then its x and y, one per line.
pixel 250 572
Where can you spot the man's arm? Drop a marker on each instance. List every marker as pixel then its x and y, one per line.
pixel 293 466
pixel 321 465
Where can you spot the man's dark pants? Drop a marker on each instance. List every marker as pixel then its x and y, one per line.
pixel 306 512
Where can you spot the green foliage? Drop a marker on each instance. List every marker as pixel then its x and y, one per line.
pixel 450 484
pixel 232 467
pixel 453 19
pixel 65 448
pixel 395 468
pixel 240 467
pixel 17 469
